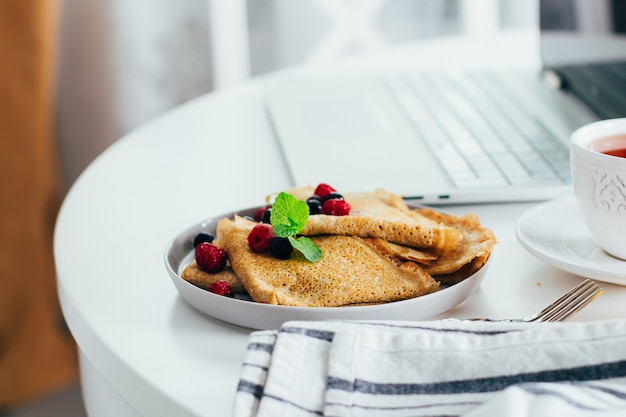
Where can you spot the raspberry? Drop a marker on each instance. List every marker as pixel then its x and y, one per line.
pixel 336 207
pixel 222 288
pixel 210 258
pixel 260 237
pixel 323 190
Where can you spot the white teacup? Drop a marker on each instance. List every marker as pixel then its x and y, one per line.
pixel 600 182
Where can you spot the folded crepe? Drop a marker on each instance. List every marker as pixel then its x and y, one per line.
pixel 351 271
pixel 382 215
pixel 469 255
pixel 455 265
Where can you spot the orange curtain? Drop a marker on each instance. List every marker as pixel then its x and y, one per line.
pixel 37 355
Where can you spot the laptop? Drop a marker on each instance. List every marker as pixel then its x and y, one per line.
pixel 457 137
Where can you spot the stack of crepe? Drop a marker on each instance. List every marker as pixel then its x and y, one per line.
pixel 383 251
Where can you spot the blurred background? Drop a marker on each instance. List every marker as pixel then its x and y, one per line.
pixel 123 63
pixel 77 75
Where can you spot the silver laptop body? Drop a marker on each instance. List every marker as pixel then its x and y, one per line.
pixel 445 137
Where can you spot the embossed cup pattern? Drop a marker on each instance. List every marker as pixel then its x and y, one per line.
pixel 609 191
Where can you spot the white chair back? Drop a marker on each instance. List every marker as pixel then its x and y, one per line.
pixel 352 23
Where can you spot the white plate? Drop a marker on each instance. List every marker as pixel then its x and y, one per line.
pixel 555 232
pixel 253 315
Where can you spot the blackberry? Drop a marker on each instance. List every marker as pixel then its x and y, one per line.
pixel 258 214
pixel 315 205
pixel 265 217
pixel 334 196
pixel 202 237
pixel 281 248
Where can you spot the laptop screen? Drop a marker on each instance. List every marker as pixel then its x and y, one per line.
pixel 583 45
pixel 582 31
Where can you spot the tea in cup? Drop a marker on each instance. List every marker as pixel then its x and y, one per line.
pixel 598 163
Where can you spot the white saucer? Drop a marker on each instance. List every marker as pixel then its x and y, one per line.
pixel 555 232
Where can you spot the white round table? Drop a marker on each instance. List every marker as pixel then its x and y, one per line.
pixel 143 350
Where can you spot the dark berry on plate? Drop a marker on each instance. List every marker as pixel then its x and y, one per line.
pixel 265 218
pixel 210 258
pixel 258 214
pixel 260 237
pixel 334 196
pixel 202 237
pixel 281 248
pixel 222 288
pixel 315 205
pixel 323 190
pixel 336 207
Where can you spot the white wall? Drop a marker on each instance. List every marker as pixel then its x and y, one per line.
pixel 122 63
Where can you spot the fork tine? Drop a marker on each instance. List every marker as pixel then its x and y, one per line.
pixel 567 305
pixel 555 304
pixel 574 300
pixel 571 298
pixel 578 305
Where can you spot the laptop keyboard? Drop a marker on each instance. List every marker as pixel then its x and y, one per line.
pixel 480 134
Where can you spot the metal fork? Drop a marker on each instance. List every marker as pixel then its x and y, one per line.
pixel 565 307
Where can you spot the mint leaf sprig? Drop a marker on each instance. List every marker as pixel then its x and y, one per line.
pixel 288 218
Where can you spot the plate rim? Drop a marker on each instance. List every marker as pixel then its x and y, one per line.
pixel 464 289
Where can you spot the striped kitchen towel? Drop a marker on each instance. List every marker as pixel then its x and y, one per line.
pixel 435 368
